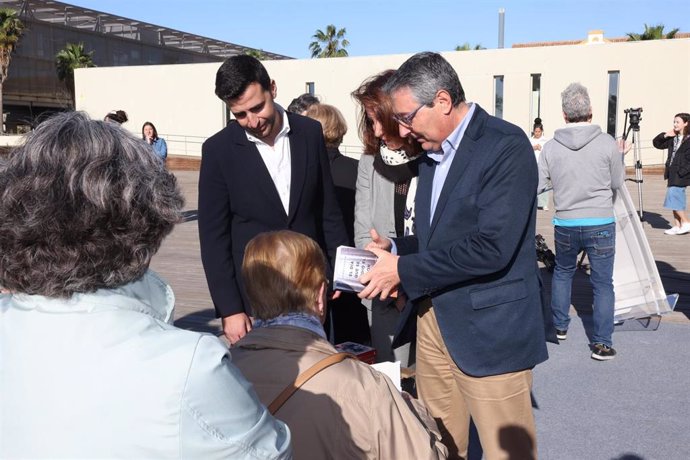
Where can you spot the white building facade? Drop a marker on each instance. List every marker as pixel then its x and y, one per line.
pixel 517 84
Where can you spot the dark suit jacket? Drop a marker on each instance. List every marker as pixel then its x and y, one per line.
pixel 477 259
pixel 238 200
pixel 678 172
pixel 344 171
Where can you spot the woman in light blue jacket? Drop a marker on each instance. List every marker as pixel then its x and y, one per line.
pixel 90 363
pixel 150 135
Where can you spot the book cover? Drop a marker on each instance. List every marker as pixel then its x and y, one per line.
pixel 350 264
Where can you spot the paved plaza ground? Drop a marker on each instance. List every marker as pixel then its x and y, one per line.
pixel 634 407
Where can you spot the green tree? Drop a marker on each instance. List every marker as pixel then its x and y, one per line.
pixel 72 56
pixel 11 29
pixel 652 33
pixel 331 43
pixel 467 47
pixel 259 54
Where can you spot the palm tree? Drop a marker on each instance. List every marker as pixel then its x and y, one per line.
pixel 467 47
pixel 652 33
pixel 258 54
pixel 11 28
pixel 328 44
pixel 72 56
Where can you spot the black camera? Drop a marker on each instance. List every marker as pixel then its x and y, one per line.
pixel 635 115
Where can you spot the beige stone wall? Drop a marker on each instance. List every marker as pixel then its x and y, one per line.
pixel 180 101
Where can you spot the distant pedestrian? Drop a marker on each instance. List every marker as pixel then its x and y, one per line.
pixel 538 140
pixel 677 171
pixel 584 166
pixel 150 135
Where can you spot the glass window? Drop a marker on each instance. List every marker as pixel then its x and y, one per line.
pixel 535 99
pixel 310 87
pixel 498 96
pixel 612 102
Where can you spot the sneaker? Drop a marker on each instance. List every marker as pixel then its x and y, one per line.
pixel 672 231
pixel 561 335
pixel 601 352
pixel 685 228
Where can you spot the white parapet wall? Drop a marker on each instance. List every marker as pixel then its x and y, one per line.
pixel 180 99
pixel 10 140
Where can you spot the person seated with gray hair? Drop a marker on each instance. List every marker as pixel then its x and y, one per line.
pixel 345 411
pixel 91 364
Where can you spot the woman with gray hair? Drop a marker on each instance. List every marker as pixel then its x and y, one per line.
pixel 90 363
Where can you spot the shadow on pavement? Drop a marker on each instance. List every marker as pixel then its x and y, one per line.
pixel 200 321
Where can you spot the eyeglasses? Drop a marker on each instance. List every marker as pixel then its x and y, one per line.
pixel 406 120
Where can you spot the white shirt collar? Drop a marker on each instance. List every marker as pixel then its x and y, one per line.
pixel 283 131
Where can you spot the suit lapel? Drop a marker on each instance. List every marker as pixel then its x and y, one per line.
pixel 298 165
pixel 254 166
pixel 465 153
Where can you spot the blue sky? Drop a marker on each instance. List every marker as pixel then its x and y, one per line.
pixel 402 26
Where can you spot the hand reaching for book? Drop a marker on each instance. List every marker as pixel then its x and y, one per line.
pixel 378 242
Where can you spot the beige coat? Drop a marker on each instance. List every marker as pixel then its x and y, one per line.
pixel 348 411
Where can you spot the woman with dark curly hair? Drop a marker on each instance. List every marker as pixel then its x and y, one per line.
pixel 386 187
pixel 91 364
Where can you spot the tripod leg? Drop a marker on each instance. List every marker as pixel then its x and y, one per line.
pixel 638 172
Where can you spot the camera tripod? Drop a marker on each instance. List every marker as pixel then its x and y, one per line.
pixel 634 126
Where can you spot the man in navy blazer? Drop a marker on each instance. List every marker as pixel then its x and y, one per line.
pixel 470 271
pixel 267 171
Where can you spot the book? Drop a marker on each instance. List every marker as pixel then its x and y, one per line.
pixel 362 352
pixel 350 264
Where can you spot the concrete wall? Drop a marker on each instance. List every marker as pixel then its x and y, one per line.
pixel 180 101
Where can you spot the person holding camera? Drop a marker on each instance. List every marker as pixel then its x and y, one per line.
pixel 585 167
pixel 677 171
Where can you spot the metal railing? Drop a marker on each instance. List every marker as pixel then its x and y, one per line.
pixel 181 144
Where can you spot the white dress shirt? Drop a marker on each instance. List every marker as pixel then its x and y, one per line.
pixel 277 159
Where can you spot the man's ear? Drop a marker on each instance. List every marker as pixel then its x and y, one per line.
pixel 274 89
pixel 444 100
pixel 321 302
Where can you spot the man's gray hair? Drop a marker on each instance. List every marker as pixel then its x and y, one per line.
pixel 425 74
pixel 576 104
pixel 84 205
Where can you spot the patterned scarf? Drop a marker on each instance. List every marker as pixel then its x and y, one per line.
pixel 395 159
pixel 676 144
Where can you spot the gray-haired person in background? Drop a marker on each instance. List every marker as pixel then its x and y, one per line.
pixel 301 103
pixel 91 363
pixel 585 167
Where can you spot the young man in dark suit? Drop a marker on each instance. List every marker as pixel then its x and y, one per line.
pixel 471 270
pixel 268 171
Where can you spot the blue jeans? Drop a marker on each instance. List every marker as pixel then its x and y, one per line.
pixel 599 242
